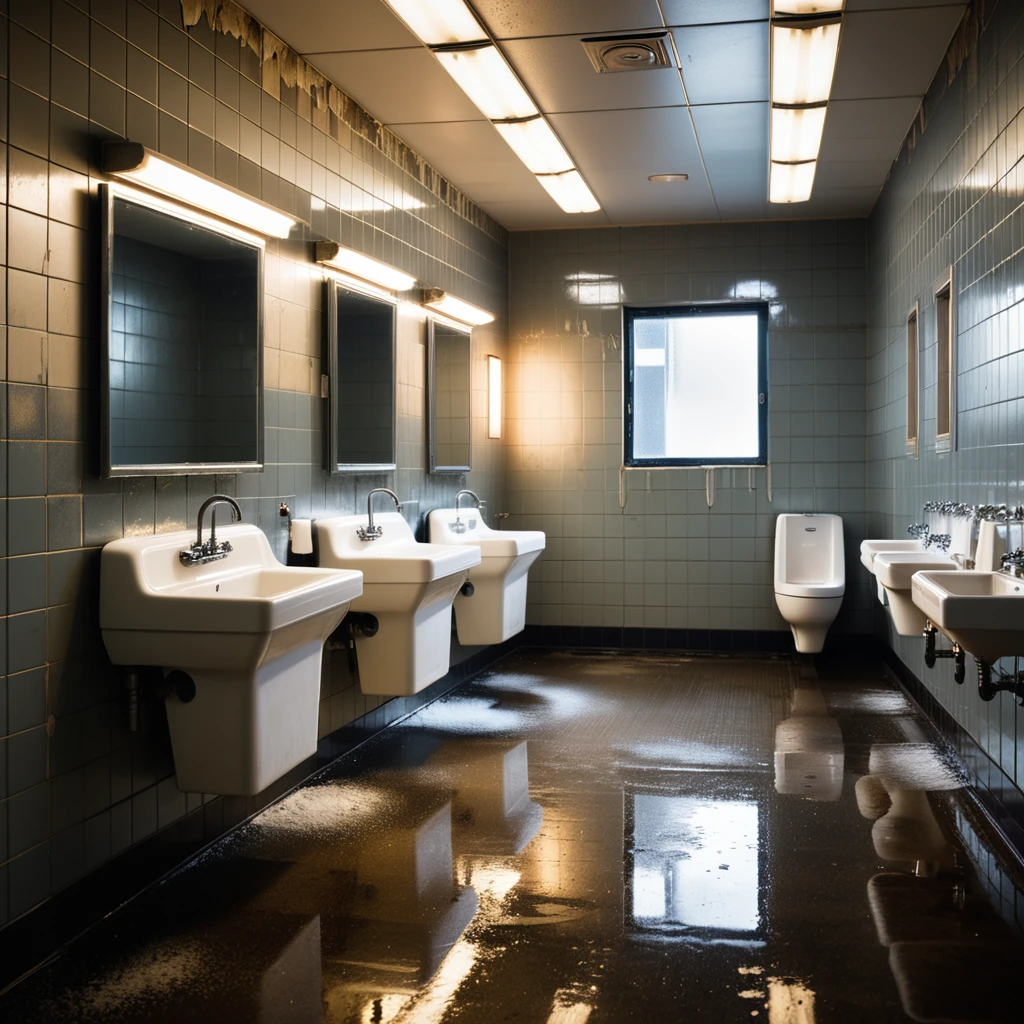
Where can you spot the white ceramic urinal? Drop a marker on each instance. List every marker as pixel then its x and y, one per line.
pixel 810 575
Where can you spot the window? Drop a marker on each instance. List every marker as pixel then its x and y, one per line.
pixel 697 385
pixel 912 382
pixel 946 376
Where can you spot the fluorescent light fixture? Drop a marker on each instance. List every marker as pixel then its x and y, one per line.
pixel 439 22
pixel 803 61
pixel 796 133
pixel 668 177
pixel 570 191
pixel 457 309
pixel 536 145
pixel 493 396
pixel 791 183
pixel 483 75
pixel 355 263
pixel 805 7
pixel 132 162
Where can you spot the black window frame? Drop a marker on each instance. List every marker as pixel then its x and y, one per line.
pixel 633 313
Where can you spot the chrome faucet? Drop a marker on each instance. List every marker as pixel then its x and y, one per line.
pixel 919 530
pixel 938 540
pixel 371 532
pixel 459 526
pixel 213 549
pixel 1013 562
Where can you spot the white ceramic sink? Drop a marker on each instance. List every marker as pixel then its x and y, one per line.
pixel 893 573
pixel 496 610
pixel 981 611
pixel 408 588
pixel 248 632
pixel 870 548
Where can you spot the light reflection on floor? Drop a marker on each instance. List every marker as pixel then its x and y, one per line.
pixel 580 839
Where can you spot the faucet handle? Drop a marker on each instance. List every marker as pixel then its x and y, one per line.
pixel 919 530
pixel 938 540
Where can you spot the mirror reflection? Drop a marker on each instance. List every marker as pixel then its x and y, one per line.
pixel 450 384
pixel 361 339
pixel 183 337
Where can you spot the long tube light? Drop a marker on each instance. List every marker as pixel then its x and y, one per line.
pixel 465 50
pixel 494 392
pixel 131 161
pixel 804 49
pixel 330 254
pixel 457 309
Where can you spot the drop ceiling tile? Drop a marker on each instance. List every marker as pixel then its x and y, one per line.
pixel 851 173
pixel 883 5
pixel 525 18
pixel 867 129
pixel 309 26
pixel 829 202
pixel 724 63
pixel 712 12
pixel 892 53
pixel 559 74
pixel 733 139
pixel 400 86
pixel 617 149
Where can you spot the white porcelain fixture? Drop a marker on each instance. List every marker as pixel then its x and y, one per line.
pixel 246 629
pixel 981 611
pixel 408 588
pixel 810 575
pixel 894 570
pixel 870 548
pixel 497 608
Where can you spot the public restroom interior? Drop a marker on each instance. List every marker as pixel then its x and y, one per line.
pixel 655 796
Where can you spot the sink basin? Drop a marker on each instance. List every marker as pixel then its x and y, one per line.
pixel 408 589
pixel 246 631
pixel 496 610
pixel 894 571
pixel 870 548
pixel 981 611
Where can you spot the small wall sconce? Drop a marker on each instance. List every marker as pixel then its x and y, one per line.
pixel 494 393
pixel 349 261
pixel 132 162
pixel 457 309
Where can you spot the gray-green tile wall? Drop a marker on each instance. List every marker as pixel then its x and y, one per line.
pixel 954 200
pixel 76 787
pixel 661 559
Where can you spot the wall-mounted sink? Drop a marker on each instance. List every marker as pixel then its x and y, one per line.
pixel 870 548
pixel 249 633
pixel 894 571
pixel 981 611
pixel 497 608
pixel 408 589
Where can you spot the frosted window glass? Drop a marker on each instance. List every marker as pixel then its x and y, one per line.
pixel 696 387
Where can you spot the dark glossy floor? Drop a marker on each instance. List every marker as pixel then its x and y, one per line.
pixel 579 837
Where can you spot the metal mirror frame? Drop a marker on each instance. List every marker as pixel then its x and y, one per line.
pixel 334 463
pixel 432 323
pixel 108 192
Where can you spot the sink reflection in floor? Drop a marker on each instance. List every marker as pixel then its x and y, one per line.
pixel 578 839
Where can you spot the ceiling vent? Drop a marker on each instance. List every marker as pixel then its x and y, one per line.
pixel 628 53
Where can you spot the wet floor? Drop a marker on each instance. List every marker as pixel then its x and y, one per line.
pixel 581 837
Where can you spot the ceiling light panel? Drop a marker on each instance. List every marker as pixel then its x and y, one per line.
pixel 806 7
pixel 485 77
pixel 796 133
pixel 536 145
pixel 791 183
pixel 439 22
pixel 803 62
pixel 570 191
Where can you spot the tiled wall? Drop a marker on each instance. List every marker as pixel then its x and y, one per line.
pixel 76 787
pixel 660 558
pixel 954 199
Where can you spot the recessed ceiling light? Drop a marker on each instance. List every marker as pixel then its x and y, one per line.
pixel 667 177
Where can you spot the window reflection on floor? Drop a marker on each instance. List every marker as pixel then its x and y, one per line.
pixel 695 864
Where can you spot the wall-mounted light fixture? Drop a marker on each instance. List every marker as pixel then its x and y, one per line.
pixel 804 47
pixel 494 396
pixel 465 50
pixel 349 261
pixel 457 309
pixel 132 162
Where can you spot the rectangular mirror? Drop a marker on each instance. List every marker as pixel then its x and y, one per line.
pixel 449 384
pixel 361 360
pixel 182 367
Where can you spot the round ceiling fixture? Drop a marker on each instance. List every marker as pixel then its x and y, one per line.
pixel 667 177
